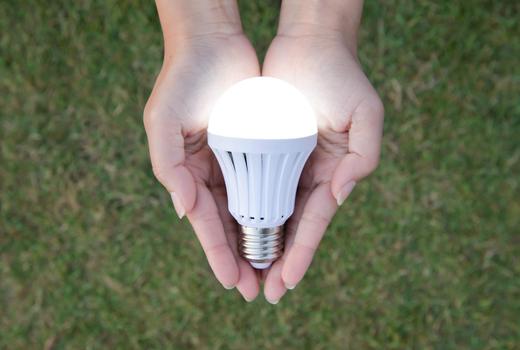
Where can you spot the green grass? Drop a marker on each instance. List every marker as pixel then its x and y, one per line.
pixel 425 255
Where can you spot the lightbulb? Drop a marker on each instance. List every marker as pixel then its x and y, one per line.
pixel 262 131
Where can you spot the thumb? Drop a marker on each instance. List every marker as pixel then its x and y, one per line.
pixel 166 146
pixel 364 147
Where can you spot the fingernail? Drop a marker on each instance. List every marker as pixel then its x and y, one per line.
pixel 274 302
pixel 177 204
pixel 247 299
pixel 345 191
pixel 290 286
pixel 228 287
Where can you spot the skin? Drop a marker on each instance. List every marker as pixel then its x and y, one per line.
pixel 315 50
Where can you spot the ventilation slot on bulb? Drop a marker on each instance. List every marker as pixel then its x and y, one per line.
pixel 261 188
pixel 231 158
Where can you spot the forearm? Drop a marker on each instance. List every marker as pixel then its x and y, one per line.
pixel 184 19
pixel 323 17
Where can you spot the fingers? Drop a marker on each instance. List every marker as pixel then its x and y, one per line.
pixel 248 284
pixel 363 148
pixel 166 145
pixel 274 288
pixel 205 219
pixel 315 218
pixel 302 196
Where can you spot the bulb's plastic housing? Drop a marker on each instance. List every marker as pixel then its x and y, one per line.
pixel 261 176
pixel 262 131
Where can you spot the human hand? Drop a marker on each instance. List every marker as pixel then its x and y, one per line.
pixel 200 62
pixel 321 62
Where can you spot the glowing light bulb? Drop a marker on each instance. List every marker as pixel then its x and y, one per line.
pixel 262 131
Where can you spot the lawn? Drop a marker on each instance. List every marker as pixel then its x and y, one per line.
pixel 425 254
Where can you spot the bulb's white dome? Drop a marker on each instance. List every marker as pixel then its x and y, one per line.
pixel 262 108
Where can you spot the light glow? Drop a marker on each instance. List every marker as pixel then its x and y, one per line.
pixel 262 108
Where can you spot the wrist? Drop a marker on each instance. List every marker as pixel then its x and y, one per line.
pixel 325 18
pixel 184 20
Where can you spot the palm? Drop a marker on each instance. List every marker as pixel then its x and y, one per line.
pixel 330 77
pixel 185 91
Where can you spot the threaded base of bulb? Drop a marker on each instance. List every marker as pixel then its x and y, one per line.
pixel 261 246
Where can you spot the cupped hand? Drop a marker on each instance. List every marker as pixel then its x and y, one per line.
pixel 350 121
pixel 193 76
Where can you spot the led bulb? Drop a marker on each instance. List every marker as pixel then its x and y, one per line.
pixel 262 131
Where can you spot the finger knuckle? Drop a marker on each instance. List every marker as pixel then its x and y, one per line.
pixel 314 219
pixel 209 218
pixel 217 249
pixel 311 248
pixel 371 164
pixel 377 106
pixel 150 114
pixel 160 173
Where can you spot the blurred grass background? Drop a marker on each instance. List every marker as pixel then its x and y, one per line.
pixel 425 255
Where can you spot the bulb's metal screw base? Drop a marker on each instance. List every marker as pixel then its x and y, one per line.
pixel 261 246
